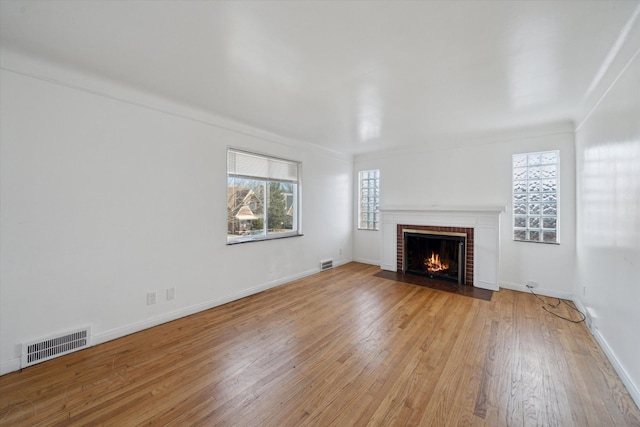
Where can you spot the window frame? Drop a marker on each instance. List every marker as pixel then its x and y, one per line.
pixel 516 205
pixel 264 179
pixel 375 199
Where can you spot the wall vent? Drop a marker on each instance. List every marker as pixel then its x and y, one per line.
pixel 326 264
pixel 47 348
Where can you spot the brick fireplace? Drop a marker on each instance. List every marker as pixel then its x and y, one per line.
pixel 439 229
pixel 480 224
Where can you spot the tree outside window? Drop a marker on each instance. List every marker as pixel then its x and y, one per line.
pixel 262 197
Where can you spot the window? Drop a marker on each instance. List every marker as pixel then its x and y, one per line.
pixel 368 199
pixel 535 197
pixel 262 197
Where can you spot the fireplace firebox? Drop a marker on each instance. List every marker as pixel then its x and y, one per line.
pixel 437 255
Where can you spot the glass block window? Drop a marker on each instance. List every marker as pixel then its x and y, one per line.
pixel 368 199
pixel 535 197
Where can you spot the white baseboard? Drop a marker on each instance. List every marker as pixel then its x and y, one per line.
pixel 187 311
pixel 15 364
pixel 339 262
pixel 10 365
pixel 486 285
pixel 632 388
pixel 580 307
pixel 367 261
pixel 539 291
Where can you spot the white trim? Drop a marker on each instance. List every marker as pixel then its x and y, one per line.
pixel 612 67
pixel 444 208
pixel 95 84
pixel 539 291
pixel 626 379
pixel 14 364
pixel 622 38
pixel 337 264
pixel 186 311
pixel 447 142
pixel 632 388
pixel 10 365
pixel 606 92
pixel 485 221
pixel 367 261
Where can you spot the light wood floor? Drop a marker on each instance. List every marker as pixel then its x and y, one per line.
pixel 339 348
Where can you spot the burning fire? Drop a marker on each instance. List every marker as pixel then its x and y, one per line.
pixel 433 263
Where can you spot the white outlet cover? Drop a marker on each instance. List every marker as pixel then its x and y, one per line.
pixel 151 298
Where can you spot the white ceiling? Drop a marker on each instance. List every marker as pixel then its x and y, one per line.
pixel 353 76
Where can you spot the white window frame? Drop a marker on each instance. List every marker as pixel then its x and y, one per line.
pixel 260 167
pixel 531 175
pixel 369 204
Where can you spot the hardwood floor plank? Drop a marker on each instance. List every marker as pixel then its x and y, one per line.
pixel 343 347
pixel 508 397
pixel 398 364
pixel 363 353
pixel 489 371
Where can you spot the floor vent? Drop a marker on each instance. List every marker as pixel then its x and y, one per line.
pixel 44 349
pixel 326 264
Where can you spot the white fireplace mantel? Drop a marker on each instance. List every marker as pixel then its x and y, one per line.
pixel 485 220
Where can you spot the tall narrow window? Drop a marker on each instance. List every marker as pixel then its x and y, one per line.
pixel 262 197
pixel 535 197
pixel 368 199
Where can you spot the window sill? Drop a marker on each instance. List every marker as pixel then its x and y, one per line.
pixel 241 240
pixel 534 241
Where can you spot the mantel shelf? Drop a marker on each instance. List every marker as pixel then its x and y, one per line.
pixel 442 208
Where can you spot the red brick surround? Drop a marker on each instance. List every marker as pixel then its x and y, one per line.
pixel 469 231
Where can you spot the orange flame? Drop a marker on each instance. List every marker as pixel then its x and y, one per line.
pixel 433 263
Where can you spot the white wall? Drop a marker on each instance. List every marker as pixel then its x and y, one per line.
pixel 108 193
pixel 608 250
pixel 479 174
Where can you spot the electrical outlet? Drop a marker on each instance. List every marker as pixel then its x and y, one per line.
pixel 340 251
pixel 531 284
pixel 151 297
pixel 171 293
pixel 584 291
